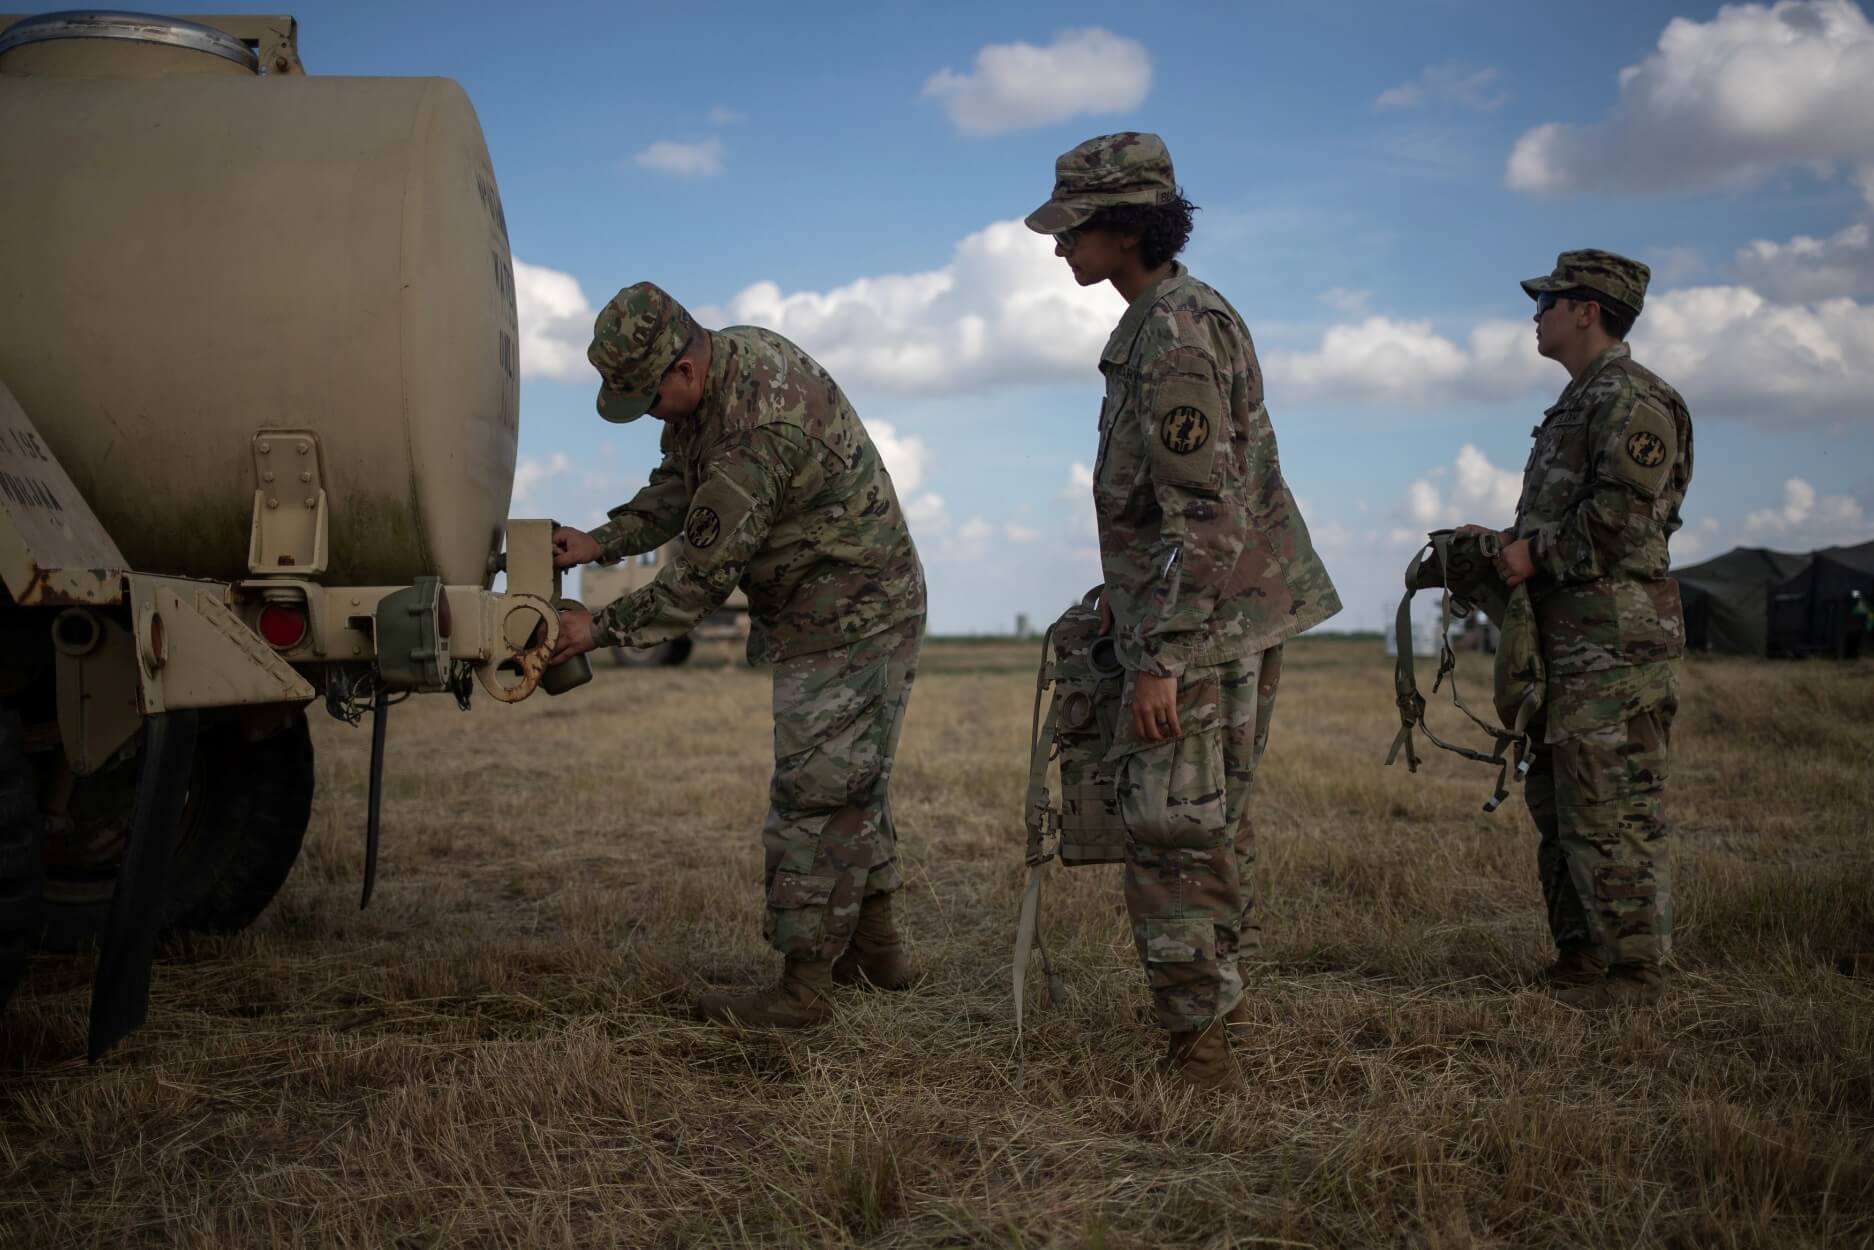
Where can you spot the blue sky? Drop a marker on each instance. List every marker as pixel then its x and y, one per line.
pixel 1374 179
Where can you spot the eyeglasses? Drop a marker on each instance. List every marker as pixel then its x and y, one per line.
pixel 1068 239
pixel 1545 301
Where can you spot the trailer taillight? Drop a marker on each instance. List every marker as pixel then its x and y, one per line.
pixel 283 625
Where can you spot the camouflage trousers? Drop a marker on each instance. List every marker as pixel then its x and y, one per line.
pixel 1598 798
pixel 829 838
pixel 1190 844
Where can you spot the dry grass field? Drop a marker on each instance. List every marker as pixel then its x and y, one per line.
pixel 499 1053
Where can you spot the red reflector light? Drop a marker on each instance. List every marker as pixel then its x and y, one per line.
pixel 283 625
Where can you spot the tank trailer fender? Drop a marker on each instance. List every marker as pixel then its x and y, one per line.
pixel 53 549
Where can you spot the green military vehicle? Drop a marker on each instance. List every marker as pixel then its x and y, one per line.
pixel 600 584
pixel 259 406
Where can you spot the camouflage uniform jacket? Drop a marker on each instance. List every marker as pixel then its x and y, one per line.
pixel 1601 495
pixel 776 487
pixel 1206 555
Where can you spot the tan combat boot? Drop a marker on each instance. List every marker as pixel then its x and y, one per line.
pixel 802 998
pixel 1575 964
pixel 1200 1058
pixel 876 955
pixel 1625 985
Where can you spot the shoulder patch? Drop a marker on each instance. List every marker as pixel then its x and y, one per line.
pixel 1187 423
pixel 1644 451
pixel 717 511
pixel 1184 430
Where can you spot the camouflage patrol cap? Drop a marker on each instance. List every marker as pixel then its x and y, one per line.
pixel 637 336
pixel 1126 168
pixel 1616 277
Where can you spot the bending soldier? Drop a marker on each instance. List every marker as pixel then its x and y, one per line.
pixel 1208 569
pixel 776 487
pixel 1601 495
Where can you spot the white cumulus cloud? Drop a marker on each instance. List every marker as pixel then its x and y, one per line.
pixel 1807 268
pixel 1017 85
pixel 1695 541
pixel 533 473
pixel 1343 300
pixel 1004 310
pixel 1471 490
pixel 689 160
pixel 1807 518
pixel 1452 82
pixel 975 530
pixel 909 460
pixel 575 490
pixel 1720 102
pixel 555 324
pixel 1729 350
pixel 1733 353
pixel 1382 360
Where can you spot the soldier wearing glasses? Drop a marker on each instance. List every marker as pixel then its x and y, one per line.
pixel 1601 495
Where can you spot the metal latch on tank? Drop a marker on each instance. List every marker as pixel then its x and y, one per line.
pixel 289 532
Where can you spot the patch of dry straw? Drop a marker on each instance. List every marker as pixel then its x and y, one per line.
pixel 499 1052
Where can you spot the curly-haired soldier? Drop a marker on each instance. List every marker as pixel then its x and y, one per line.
pixel 1208 569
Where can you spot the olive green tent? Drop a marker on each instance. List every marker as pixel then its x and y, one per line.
pixel 1809 613
pixel 1754 601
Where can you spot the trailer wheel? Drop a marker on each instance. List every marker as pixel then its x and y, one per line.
pixel 22 838
pixel 242 824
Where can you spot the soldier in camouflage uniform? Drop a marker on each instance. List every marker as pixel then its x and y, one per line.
pixel 776 487
pixel 1208 569
pixel 1601 495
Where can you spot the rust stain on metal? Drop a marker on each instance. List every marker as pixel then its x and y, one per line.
pixel 533 664
pixel 41 590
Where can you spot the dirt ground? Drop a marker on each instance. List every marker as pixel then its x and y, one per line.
pixel 499 1051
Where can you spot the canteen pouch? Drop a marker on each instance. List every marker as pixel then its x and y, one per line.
pixel 1080 682
pixel 1083 671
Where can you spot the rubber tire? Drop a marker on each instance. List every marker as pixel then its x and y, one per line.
pixel 22 837
pixel 249 805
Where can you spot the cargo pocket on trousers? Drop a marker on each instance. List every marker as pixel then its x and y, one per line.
pixel 1179 939
pixel 797 910
pixel 1622 882
pixel 1171 793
